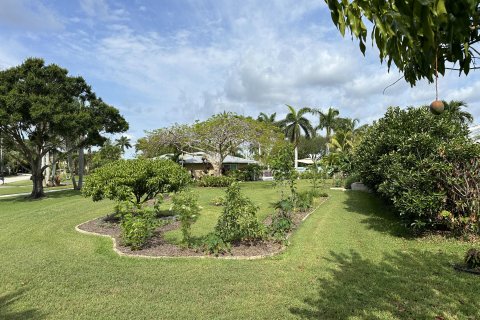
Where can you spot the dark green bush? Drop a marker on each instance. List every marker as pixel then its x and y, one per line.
pixel 215 245
pixel 238 221
pixel 472 258
pixel 212 181
pixel 138 228
pixel 185 205
pixel 281 225
pixel 318 194
pixel 418 161
pixel 251 172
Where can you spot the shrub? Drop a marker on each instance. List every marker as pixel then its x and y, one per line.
pixel 472 258
pixel 318 194
pixel 135 180
pixel 423 164
pixel 219 201
pixel 238 221
pixel 185 205
pixel 282 221
pixel 138 228
pixel 212 181
pixel 304 201
pixel 280 227
pixel 215 245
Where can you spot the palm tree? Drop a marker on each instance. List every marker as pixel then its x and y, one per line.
pixel 124 143
pixel 327 121
pixel 263 117
pixel 342 141
pixel 294 124
pixel 455 108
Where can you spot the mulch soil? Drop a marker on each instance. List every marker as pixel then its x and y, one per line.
pixel 159 247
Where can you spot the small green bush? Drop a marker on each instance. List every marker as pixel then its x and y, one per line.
pixel 472 258
pixel 304 201
pixel 318 194
pixel 138 228
pixel 215 245
pixel 217 182
pixel 238 221
pixel 185 205
pixel 218 201
pixel 280 227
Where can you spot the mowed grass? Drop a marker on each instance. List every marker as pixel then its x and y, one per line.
pixel 25 186
pixel 348 260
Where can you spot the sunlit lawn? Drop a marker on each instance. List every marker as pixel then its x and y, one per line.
pixel 25 186
pixel 349 260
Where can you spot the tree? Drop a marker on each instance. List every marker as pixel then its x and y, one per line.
pixel 135 181
pixel 107 153
pixel 455 107
pixel 294 124
pixel 124 143
pixel 327 121
pixel 263 117
pixel 39 112
pixel 423 164
pixel 216 137
pixel 418 36
pixel 313 146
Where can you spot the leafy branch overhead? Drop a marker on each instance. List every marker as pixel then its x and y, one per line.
pixel 413 33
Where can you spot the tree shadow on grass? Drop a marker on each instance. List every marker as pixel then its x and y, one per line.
pixel 379 216
pixel 51 195
pixel 404 285
pixel 7 313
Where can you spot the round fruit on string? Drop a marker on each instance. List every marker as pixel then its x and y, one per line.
pixel 437 107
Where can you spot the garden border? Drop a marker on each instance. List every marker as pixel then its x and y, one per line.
pixel 226 257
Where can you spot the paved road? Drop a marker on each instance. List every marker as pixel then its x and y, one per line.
pixel 20 177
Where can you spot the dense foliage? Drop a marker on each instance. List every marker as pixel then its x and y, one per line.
pixel 136 181
pixel 214 181
pixel 425 165
pixel 472 258
pixel 138 228
pixel 412 33
pixel 43 109
pixel 238 221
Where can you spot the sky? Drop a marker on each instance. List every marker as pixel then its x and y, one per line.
pixel 173 61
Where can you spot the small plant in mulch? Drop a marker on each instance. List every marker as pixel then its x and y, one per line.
pixel 471 262
pixel 185 205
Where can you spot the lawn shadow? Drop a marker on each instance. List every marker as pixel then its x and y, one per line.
pixel 379 216
pixel 50 195
pixel 404 285
pixel 6 313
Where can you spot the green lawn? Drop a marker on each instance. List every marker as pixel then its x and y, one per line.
pixel 25 186
pixel 349 260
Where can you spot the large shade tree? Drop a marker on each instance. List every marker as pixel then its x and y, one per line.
pixel 418 36
pixel 216 137
pixel 294 124
pixel 40 111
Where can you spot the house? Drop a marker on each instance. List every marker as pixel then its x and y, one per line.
pixel 198 165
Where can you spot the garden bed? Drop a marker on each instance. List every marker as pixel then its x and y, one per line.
pixel 158 247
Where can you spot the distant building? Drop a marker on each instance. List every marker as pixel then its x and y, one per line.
pixel 198 165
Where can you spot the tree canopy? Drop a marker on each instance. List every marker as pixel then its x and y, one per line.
pixel 216 137
pixel 416 35
pixel 42 108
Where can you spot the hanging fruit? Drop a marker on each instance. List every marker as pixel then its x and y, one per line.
pixel 437 107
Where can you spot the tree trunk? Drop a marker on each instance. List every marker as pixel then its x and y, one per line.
pixel 296 157
pixel 72 172
pixel 81 167
pixel 37 178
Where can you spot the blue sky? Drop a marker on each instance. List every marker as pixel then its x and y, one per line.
pixel 162 62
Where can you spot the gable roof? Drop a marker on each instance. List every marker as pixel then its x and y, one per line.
pixel 197 158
